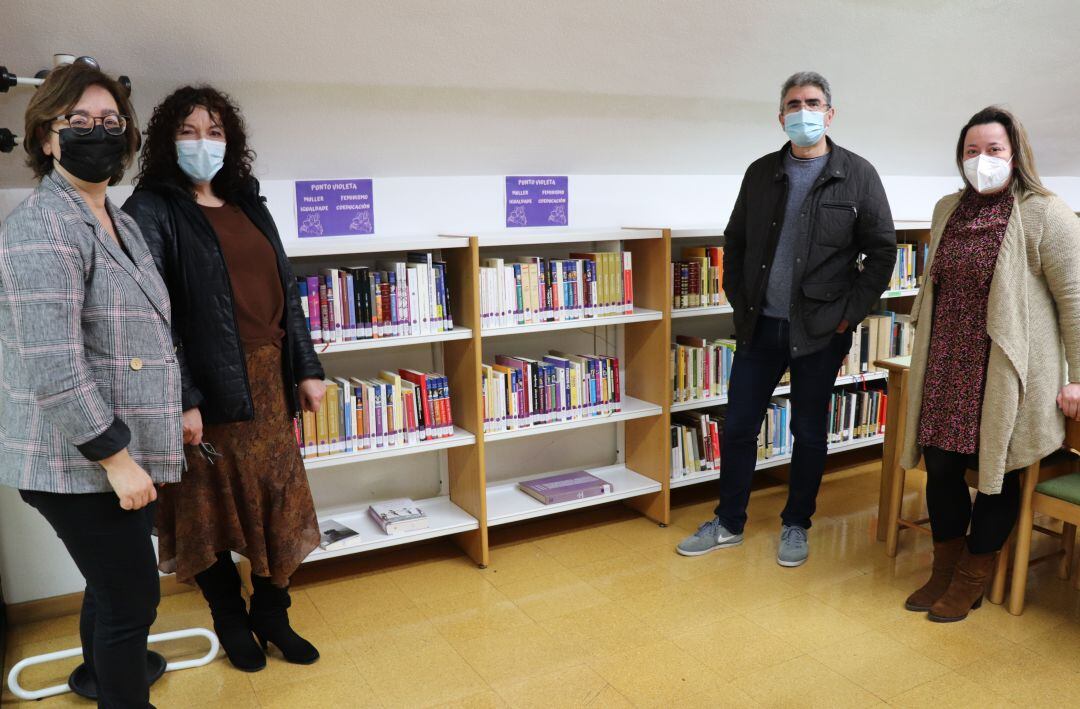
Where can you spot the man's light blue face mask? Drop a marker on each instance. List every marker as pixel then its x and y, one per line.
pixel 804 127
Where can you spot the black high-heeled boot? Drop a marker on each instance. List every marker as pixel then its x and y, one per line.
pixel 220 585
pixel 270 621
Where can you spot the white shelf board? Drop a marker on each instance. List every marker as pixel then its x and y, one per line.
pixel 458 333
pixel 697 312
pixel 444 517
pixel 697 232
pixel 902 224
pixel 461 437
pixel 631 409
pixel 526 236
pixel 903 293
pixel 779 460
pixel 506 503
pixel 344 245
pixel 779 391
pixel 639 315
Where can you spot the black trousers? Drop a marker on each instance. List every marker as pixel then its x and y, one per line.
pixel 755 372
pixel 112 548
pixel 948 499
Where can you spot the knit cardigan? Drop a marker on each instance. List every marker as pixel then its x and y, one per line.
pixel 1033 319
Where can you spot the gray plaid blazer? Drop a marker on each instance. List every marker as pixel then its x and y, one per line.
pixel 87 364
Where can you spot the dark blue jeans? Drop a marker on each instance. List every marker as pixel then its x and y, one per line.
pixel 755 373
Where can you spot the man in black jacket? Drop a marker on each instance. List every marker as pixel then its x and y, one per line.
pixel 793 275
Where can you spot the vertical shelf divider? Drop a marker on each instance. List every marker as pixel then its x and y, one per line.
pixel 647 375
pixel 468 487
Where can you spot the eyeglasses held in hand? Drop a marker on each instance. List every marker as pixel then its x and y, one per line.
pixel 209 452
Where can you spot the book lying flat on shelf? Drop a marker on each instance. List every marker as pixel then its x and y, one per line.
pixel 335 535
pixel 565 487
pixel 398 516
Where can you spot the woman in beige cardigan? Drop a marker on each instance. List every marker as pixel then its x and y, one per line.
pixel 1000 318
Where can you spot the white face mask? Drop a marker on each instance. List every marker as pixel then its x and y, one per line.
pixel 200 159
pixel 986 173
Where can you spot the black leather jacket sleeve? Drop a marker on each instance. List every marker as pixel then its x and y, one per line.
pixel 150 213
pixel 306 364
pixel 735 252
pixel 875 235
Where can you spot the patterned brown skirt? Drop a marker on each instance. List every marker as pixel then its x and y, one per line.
pixel 254 499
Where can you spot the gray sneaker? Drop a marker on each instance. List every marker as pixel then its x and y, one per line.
pixel 711 535
pixel 793 546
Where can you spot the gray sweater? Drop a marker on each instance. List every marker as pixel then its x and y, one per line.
pixel 801 175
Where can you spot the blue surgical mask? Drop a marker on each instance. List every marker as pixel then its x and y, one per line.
pixel 200 159
pixel 804 127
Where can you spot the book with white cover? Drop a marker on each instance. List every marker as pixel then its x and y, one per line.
pixel 399 515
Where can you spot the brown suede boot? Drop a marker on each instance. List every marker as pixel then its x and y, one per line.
pixel 946 554
pixel 965 592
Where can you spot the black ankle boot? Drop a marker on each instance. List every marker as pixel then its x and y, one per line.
pixel 270 621
pixel 220 585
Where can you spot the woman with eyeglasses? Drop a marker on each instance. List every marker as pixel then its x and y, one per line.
pixel 248 366
pixel 998 325
pixel 90 415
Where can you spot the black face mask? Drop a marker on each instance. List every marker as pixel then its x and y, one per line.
pixel 94 157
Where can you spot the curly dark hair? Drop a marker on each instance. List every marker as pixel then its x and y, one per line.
pixel 158 162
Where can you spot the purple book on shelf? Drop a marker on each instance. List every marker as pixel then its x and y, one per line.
pixel 565 487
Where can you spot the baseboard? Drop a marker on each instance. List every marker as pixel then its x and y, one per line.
pixel 71 603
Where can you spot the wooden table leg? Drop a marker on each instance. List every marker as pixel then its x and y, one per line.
pixel 895 422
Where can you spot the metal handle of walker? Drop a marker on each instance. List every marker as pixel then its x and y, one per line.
pixel 18 691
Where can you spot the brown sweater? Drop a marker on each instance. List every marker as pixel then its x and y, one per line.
pixel 253 272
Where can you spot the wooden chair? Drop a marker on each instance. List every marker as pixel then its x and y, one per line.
pixel 894 500
pixel 1052 490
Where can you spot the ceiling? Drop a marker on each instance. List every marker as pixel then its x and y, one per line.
pixel 693 84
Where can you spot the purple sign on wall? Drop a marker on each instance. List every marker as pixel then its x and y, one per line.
pixel 537 201
pixel 334 208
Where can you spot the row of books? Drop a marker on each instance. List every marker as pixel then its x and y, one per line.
pixel 530 289
pixel 391 409
pixel 910 263
pixel 696 442
pixel 879 336
pixel 700 368
pixel 520 392
pixel 394 299
pixel 697 281
pixel 697 436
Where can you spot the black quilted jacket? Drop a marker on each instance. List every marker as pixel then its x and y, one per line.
pixel 847 214
pixel 188 255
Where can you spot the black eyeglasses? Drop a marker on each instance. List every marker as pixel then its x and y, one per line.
pixel 210 453
pixel 83 123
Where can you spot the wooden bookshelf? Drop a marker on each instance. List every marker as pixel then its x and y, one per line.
pixel 469 502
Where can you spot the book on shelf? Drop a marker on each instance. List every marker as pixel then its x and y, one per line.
pixel 565 487
pixel 398 516
pixel 390 299
pixel 857 414
pixel 389 410
pixel 519 392
pixel 335 535
pixel 879 336
pixel 697 279
pixel 529 289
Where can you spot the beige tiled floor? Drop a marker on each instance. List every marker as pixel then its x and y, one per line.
pixel 596 609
